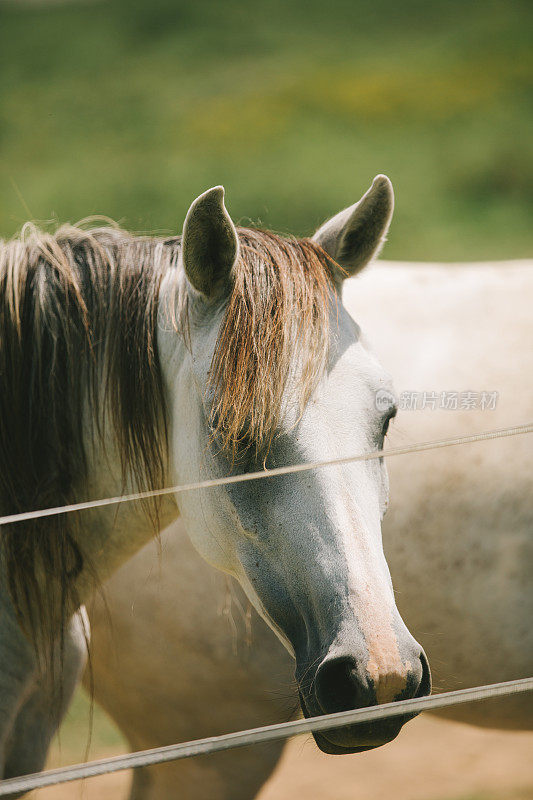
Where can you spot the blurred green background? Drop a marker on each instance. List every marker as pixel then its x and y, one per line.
pixel 130 108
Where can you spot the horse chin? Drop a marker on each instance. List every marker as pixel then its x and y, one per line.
pixel 335 748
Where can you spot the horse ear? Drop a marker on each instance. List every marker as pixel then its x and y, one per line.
pixel 210 245
pixel 356 235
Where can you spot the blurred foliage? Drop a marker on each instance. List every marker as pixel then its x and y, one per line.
pixel 131 108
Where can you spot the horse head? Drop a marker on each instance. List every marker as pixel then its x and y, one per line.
pixel 274 371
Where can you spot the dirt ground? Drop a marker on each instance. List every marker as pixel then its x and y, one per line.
pixel 431 760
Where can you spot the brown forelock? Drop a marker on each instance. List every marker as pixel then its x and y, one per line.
pixel 276 321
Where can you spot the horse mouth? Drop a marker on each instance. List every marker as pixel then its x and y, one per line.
pixel 357 738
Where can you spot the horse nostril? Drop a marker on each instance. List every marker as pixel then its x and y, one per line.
pixel 340 685
pixel 424 686
pixel 339 688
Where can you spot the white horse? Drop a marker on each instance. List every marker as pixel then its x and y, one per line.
pixel 181 659
pixel 132 362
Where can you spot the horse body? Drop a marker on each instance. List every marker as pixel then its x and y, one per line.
pixel 179 660
pixel 131 362
pixel 458 534
pixel 179 654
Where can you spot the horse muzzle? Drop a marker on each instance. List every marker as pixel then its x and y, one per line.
pixel 341 684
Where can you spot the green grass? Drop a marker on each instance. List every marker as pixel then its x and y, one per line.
pixel 86 733
pixel 131 109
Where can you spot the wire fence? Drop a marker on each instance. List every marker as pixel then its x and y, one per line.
pixel 269 733
pixel 419 447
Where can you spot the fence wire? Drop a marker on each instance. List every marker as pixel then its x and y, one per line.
pixel 419 447
pixel 269 733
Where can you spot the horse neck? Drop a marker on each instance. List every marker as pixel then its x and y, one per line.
pixel 110 535
pixel 113 534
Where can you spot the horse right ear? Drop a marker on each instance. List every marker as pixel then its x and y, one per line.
pixel 210 245
pixel 356 235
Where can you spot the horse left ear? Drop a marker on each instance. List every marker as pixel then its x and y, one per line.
pixel 210 246
pixel 356 235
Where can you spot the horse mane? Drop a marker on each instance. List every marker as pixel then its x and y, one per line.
pixel 78 311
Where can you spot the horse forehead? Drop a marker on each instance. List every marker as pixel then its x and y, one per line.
pixel 354 372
